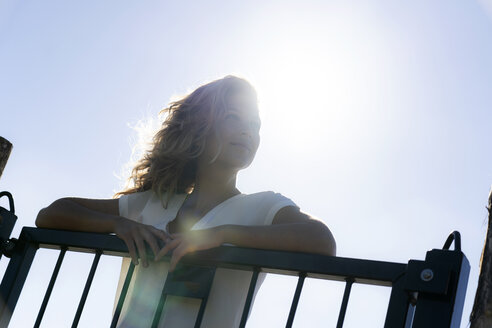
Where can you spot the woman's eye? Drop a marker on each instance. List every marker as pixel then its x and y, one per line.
pixel 236 119
pixel 256 125
pixel 232 117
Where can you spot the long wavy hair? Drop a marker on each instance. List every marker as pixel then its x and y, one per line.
pixel 171 163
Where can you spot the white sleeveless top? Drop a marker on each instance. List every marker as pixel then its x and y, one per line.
pixel 229 288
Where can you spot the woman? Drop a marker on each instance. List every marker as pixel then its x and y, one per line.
pixel 184 196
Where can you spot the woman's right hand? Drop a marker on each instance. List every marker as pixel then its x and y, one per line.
pixel 136 234
pixel 102 215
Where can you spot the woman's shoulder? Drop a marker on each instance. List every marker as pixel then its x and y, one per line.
pixel 264 205
pixel 267 197
pixel 151 195
pixel 136 196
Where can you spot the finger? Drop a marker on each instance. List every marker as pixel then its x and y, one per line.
pixel 172 244
pixel 162 235
pixel 150 239
pixel 169 246
pixel 141 249
pixel 131 249
pixel 175 259
pixel 176 235
pixel 178 253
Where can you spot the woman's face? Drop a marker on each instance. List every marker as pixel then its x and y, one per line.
pixel 236 138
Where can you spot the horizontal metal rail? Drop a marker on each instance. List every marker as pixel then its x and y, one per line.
pixel 287 263
pixel 415 295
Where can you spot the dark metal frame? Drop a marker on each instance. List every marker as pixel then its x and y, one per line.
pixel 424 294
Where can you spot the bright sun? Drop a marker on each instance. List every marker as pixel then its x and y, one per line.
pixel 317 80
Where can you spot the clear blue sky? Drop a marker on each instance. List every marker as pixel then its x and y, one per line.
pixel 376 119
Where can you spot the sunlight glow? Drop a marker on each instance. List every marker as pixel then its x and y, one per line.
pixel 316 81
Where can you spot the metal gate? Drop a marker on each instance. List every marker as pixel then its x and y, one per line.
pixel 424 294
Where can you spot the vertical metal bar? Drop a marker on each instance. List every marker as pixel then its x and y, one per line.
pixel 346 295
pixel 410 313
pixel 199 318
pixel 160 306
pixel 50 287
pixel 398 312
pixel 189 281
pixel 122 297
pixel 295 301
pixel 14 278
pixel 207 282
pixel 86 289
pixel 249 298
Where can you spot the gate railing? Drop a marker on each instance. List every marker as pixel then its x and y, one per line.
pixel 424 294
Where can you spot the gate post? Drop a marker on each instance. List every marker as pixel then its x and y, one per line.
pixel 15 276
pixel 440 282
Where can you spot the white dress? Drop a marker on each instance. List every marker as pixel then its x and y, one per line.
pixel 229 288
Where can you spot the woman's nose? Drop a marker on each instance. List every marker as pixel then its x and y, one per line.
pixel 246 132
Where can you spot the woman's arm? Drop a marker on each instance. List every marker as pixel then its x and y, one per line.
pixel 291 230
pixel 101 215
pixel 80 214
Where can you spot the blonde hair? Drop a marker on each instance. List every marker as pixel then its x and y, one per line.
pixel 170 165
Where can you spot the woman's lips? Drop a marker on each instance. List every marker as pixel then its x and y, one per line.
pixel 239 144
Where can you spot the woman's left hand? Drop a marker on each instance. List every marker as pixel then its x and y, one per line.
pixel 190 241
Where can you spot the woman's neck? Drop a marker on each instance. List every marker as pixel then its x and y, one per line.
pixel 211 188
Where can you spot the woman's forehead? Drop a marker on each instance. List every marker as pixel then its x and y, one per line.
pixel 242 102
